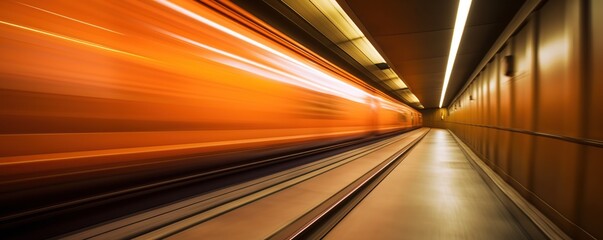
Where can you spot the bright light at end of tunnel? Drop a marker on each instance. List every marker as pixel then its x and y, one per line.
pixel 459 27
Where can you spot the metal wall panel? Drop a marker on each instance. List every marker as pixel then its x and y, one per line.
pixel 494 88
pixel 591 204
pixel 483 103
pixel 559 96
pixel 493 109
pixel 555 176
pixel 523 79
pixel 505 95
pixel 522 106
pixel 591 197
pixel 521 157
pixel 558 112
pixel 595 68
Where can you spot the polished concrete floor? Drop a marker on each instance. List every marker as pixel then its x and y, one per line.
pixel 435 193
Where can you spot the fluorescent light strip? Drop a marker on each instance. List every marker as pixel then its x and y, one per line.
pixel 370 50
pixel 459 27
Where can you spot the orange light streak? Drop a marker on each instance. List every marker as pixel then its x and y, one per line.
pixel 72 19
pixel 305 83
pixel 325 79
pixel 6 161
pixel 75 40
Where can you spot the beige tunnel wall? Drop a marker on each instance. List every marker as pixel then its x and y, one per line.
pixel 541 127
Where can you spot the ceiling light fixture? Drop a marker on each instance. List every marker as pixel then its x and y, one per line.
pixel 329 18
pixel 459 26
pixel 382 65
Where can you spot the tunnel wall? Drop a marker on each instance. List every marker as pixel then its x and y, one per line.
pixel 540 126
pixel 434 118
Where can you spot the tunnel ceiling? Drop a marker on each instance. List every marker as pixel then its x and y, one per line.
pixel 414 36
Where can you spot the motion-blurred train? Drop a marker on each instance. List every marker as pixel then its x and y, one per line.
pixel 104 84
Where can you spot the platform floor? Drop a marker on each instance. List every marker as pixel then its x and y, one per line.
pixel 434 193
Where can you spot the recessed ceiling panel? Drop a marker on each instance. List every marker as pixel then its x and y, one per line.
pixel 414 36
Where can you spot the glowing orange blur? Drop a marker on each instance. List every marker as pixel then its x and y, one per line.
pixel 85 83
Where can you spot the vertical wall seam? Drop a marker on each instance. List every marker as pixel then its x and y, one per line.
pixel 535 93
pixel 586 82
pixel 512 109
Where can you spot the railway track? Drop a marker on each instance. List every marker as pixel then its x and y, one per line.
pixel 364 167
